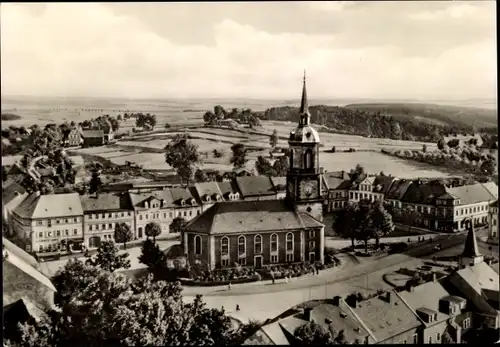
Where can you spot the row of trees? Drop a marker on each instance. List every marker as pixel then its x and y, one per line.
pixel 245 116
pixel 364 221
pixel 104 122
pixel 278 168
pixel 98 306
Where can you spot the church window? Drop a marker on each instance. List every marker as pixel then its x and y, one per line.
pixel 274 243
pixel 289 257
pixel 224 248
pixel 258 244
pixel 274 259
pixel 225 262
pixel 242 261
pixel 291 157
pixel 289 242
pixel 197 245
pixel 242 245
pixel 308 164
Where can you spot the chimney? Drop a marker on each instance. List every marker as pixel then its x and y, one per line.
pixel 388 297
pixel 411 289
pixel 307 314
pixel 434 277
pixel 336 300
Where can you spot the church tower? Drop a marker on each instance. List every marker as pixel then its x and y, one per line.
pixel 470 255
pixel 304 177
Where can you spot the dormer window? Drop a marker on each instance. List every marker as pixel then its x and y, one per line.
pixel 218 197
pixel 163 203
pixel 183 202
pixel 193 201
pixel 207 198
pixel 146 204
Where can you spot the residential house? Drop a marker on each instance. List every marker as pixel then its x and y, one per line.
pixel 176 259
pixel 93 138
pixel 371 188
pixel 338 192
pixel 109 136
pixel 279 184
pixel 493 222
pixel 229 190
pixel 74 138
pixel 253 233
pixel 255 188
pixel 439 311
pixel 396 192
pixel 102 212
pixel 12 195
pixel 185 203
pixel 46 223
pixel 208 193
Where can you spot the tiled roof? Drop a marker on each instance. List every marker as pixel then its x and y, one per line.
pixel 228 187
pixel 279 183
pixel 255 185
pixel 492 188
pixel 424 193
pixel 11 191
pixel 50 206
pixel 427 295
pixel 275 333
pixel 261 338
pixel 46 172
pixel 471 250
pixel 251 216
pixel 339 174
pixel 180 193
pixel 384 182
pixel 479 276
pixel 334 182
pixel 92 133
pixel 398 189
pixel 207 188
pixel 160 194
pixel 106 201
pixel 20 253
pixel 386 319
pixel 471 194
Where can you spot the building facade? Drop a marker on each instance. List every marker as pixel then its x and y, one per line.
pixel 74 138
pixel 93 138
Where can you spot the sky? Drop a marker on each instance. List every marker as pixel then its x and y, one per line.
pixel 386 50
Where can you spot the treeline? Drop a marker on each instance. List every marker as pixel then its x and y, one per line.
pixel 370 124
pixel 243 116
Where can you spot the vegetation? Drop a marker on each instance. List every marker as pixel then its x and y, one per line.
pixel 152 230
pixel 107 258
pixel 104 123
pixel 153 257
pixel 273 140
pixel 385 122
pixel 314 334
pixel 105 308
pixel 123 234
pixel 178 225
pixel 279 168
pixel 10 116
pixel 239 157
pixel 182 155
pixel 145 121
pixel 244 116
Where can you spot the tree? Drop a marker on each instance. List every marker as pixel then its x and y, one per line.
pixel 441 144
pixel 152 256
pixel 209 118
pixel 447 339
pixel 396 130
pixel 409 216
pixel 424 148
pixel 383 224
pixel 344 222
pixel 108 259
pixel 152 230
pixel 264 167
pixel 200 176
pixel 95 181
pixel 281 165
pixel 123 234
pixel 314 334
pixel 178 225
pixel 488 167
pixel 74 276
pixel 239 155
pixel 182 155
pixel 273 140
pixel 357 172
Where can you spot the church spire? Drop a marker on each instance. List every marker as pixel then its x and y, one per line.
pixel 471 254
pixel 304 107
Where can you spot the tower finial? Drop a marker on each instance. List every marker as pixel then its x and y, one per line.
pixel 304 75
pixel 304 104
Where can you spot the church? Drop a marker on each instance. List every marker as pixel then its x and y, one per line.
pixel 260 233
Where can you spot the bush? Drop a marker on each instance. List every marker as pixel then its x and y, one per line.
pixel 167 126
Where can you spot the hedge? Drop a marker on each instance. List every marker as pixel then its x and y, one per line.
pixel 194 283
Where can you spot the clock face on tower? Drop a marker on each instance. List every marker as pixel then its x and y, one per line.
pixel 308 190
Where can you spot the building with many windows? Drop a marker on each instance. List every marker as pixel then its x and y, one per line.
pixel 49 222
pixel 265 230
pixel 102 212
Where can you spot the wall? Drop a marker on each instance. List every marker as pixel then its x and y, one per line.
pixel 433 331
pixel 259 197
pixel 10 207
pixel 463 212
pixel 45 235
pixel 160 215
pixel 316 209
pixel 404 336
pixel 203 259
pixel 93 226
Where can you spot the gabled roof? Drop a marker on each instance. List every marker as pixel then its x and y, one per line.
pixel 251 216
pixel 16 170
pixel 181 193
pixel 384 182
pixel 492 188
pixel 427 296
pixel 424 193
pixel 50 206
pixel 471 194
pixel 479 276
pixel 86 134
pixel 279 183
pixel 207 188
pixel 228 187
pixel 471 250
pixel 398 189
pixel 386 319
pixel 334 182
pixel 160 194
pixel 10 191
pixel 20 253
pixel 368 180
pixel 255 185
pixel 106 201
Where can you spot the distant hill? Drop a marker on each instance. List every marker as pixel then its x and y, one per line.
pixel 435 114
pixel 10 116
pixel 412 122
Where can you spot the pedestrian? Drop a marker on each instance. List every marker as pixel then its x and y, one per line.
pixel 237 307
pixel 229 286
pixel 286 279
pixel 273 279
pixel 317 271
pixel 222 308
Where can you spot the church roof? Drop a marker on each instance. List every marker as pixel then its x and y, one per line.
pixel 471 250
pixel 251 216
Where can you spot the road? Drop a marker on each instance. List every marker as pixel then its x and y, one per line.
pixel 265 300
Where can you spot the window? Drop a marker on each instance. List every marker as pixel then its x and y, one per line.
pixel 58 221
pixel 179 214
pixel 224 246
pixel 190 213
pixel 466 323
pixel 351 195
pixel 291 157
pixel 242 247
pixel 66 232
pixel 75 232
pixel 289 257
pixel 130 213
pixel 257 244
pixel 39 222
pixel 49 234
pixel 110 215
pixel 312 244
pixel 197 245
pixel 438 336
pixel 274 259
pixel 274 243
pixel 308 164
pixel 146 216
pixel 66 220
pixel 75 220
pixel 289 242
pixel 140 217
pixel 312 233
pixel 198 212
pixel 185 213
pixel 415 339
pixel 110 225
pixel 58 233
pixel 225 262
pixel 404 342
pixel 103 216
pixel 242 261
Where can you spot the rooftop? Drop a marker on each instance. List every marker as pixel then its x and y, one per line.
pixel 251 216
pixel 106 201
pixel 479 276
pixel 471 194
pixel 50 206
pixel 255 185
pixel 398 189
pixel 228 187
pixel 207 189
pixel 424 193
pixel 11 191
pixel 92 133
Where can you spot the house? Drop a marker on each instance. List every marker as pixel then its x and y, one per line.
pixel 93 138
pixel 396 192
pixel 338 192
pixel 279 184
pixel 229 190
pixel 493 222
pixel 47 223
pixel 109 136
pixel 12 195
pixel 439 311
pixel 388 320
pixel 16 173
pixel 176 259
pixel 208 193
pixel 254 188
pixel 23 281
pixel 102 212
pixel 74 138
